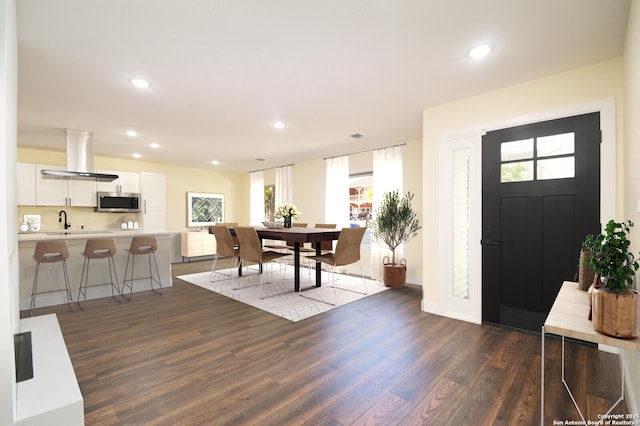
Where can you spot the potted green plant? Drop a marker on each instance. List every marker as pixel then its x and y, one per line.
pixel 395 223
pixel 615 304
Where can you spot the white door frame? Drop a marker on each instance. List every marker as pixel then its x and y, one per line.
pixel 471 309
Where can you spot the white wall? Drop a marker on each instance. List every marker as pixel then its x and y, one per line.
pixel 9 314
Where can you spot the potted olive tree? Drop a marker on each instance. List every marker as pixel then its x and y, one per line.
pixel 615 304
pixel 395 223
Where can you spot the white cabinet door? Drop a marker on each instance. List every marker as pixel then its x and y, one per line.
pixel 129 182
pixel 126 182
pixel 154 199
pixel 60 192
pixel 26 184
pixel 82 193
pixel 50 192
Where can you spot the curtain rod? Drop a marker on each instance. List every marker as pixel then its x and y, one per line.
pixel 269 168
pixel 366 150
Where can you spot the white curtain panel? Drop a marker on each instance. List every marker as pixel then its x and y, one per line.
pixel 387 176
pixel 336 208
pixel 256 201
pixel 284 185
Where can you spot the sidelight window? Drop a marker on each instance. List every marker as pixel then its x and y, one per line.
pixel 540 158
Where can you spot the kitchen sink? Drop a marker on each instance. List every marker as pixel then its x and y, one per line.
pixel 77 232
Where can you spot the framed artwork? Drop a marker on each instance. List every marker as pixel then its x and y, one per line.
pixel 204 209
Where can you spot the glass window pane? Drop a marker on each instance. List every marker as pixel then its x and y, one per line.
pixel 561 144
pixel 556 168
pixel 461 223
pixel 516 172
pixel 516 150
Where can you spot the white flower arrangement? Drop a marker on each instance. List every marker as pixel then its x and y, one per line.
pixel 288 210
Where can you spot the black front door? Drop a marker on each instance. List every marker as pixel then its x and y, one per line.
pixel 540 198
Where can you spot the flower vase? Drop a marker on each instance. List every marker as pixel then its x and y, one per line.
pixel 287 221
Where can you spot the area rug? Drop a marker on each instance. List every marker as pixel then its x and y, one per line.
pixel 279 298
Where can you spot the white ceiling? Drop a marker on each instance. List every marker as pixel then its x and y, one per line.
pixel 223 70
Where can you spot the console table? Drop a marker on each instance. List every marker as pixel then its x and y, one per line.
pixel 197 243
pixel 569 317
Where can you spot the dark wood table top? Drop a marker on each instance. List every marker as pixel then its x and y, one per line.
pixel 299 235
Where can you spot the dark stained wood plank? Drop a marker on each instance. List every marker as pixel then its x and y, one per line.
pixel 193 357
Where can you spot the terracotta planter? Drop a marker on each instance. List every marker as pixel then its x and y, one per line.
pixel 616 315
pixel 395 274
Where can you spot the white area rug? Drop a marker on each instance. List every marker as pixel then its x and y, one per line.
pixel 279 298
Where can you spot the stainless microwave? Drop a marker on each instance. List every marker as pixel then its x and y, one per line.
pixel 118 202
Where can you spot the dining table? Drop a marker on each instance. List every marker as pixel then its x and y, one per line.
pixel 298 237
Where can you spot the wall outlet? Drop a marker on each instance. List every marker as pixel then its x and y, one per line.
pixel 51 271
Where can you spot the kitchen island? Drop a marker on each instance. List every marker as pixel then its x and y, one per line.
pixel 51 277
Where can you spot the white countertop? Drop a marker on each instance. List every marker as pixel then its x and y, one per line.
pixel 74 234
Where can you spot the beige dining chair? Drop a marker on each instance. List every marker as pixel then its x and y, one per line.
pixel 251 251
pixel 228 225
pixel 347 252
pixel 225 247
pixel 325 246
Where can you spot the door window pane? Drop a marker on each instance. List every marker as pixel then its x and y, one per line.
pixel 519 171
pixel 556 168
pixel 516 150
pixel 561 144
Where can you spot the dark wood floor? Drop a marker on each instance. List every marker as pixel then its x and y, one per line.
pixel 193 357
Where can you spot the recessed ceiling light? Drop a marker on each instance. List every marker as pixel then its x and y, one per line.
pixel 136 155
pixel 480 51
pixel 131 133
pixel 260 159
pixel 278 124
pixel 140 83
pixel 356 135
pixel 154 145
pixel 215 162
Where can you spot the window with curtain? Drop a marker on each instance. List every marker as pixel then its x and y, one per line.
pixel 337 191
pixel 387 176
pixel 256 200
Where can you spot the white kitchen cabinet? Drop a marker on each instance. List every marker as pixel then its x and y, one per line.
pixel 154 201
pixel 126 182
pixel 61 192
pixel 26 184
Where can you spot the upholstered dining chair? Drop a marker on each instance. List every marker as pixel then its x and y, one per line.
pixel 225 247
pixel 228 225
pixel 251 250
pixel 325 246
pixel 347 252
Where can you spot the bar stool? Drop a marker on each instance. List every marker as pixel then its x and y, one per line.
pixel 98 248
pixel 142 245
pixel 53 251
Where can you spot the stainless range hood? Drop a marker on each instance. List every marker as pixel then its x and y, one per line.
pixel 79 160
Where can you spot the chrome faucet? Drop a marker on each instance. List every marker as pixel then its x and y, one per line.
pixel 66 224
